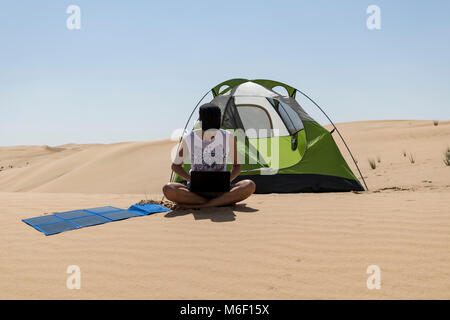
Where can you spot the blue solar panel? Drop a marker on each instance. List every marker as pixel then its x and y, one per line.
pixel 103 209
pixel 120 215
pixel 73 214
pixel 43 220
pixel 146 209
pixel 70 220
pixel 53 228
pixel 91 220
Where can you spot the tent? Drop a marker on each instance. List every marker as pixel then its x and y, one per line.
pixel 284 149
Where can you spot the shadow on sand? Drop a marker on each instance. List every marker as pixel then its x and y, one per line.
pixel 215 214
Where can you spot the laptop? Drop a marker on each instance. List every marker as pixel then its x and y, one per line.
pixel 210 181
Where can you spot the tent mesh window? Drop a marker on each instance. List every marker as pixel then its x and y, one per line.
pixel 230 116
pixel 256 121
pixel 290 118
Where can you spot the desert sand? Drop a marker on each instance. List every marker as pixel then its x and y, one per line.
pixel 276 246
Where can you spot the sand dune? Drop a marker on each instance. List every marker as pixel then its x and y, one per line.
pixel 312 246
pixel 136 167
pixel 388 140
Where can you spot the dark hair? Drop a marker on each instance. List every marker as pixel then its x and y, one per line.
pixel 210 116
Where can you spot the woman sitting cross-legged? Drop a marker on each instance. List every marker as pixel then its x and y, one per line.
pixel 208 148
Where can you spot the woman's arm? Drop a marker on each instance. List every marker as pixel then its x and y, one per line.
pixel 179 170
pixel 177 164
pixel 237 168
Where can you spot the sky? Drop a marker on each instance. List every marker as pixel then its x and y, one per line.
pixel 136 69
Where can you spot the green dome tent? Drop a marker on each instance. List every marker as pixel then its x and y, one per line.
pixel 285 149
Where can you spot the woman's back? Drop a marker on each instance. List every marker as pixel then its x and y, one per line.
pixel 208 149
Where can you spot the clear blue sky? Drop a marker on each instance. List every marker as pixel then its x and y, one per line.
pixel 136 68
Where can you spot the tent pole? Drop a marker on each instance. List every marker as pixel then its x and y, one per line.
pixel 342 138
pixel 185 126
